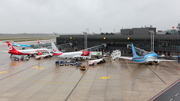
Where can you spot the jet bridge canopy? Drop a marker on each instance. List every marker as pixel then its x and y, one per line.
pixel 41 45
pixel 140 51
pixel 49 44
pixel 64 45
pixel 96 47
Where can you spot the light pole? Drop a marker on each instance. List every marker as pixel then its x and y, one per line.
pixel 152 40
pixel 100 30
pixel 85 38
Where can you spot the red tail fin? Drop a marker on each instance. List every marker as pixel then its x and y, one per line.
pixel 11 48
pixel 38 41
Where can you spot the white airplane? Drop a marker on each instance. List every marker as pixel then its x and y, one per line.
pixel 148 58
pixel 14 51
pixel 71 55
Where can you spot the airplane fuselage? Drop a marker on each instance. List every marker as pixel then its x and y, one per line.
pixel 72 54
pixel 27 52
pixel 145 58
pixel 22 45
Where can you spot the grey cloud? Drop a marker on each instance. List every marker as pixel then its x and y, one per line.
pixel 74 16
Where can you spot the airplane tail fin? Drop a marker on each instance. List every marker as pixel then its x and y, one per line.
pixel 11 48
pixel 55 49
pixel 13 43
pixel 134 52
pixel 38 41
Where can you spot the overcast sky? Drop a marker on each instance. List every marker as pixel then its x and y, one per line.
pixel 74 16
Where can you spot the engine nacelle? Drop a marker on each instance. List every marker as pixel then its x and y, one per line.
pixel 156 62
pixel 39 53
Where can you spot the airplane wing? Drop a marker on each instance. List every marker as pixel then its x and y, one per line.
pixel 165 60
pixel 158 60
pixel 127 58
pixel 76 56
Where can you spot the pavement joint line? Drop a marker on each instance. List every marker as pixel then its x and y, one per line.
pixel 16 73
pixel 76 84
pixel 123 71
pixel 156 75
pixel 68 82
pixel 169 66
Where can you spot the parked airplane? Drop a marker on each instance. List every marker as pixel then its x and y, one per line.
pixel 148 58
pixel 20 45
pixel 73 55
pixel 13 51
pixel 39 41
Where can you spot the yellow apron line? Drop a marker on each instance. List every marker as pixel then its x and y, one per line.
pixel 3 72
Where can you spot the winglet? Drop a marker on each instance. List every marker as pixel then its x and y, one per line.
pixel 134 52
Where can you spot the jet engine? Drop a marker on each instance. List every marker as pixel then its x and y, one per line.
pixel 156 62
pixel 39 53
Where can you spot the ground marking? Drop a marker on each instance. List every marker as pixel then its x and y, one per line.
pixel 14 63
pixel 177 94
pixel 171 99
pixel 3 72
pixel 37 67
pixel 104 77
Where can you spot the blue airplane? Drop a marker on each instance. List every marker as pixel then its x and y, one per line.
pixel 148 58
pixel 19 45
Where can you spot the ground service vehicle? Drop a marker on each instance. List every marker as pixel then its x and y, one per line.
pixel 66 63
pixel 57 62
pixel 97 61
pixel 78 64
pixel 61 63
pixel 24 57
pixel 83 68
pixel 72 63
pixel 43 56
pixel 16 58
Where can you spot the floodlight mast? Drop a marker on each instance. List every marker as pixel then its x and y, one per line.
pixel 85 38
pixel 152 40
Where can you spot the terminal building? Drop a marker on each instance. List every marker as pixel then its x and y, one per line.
pixel 167 43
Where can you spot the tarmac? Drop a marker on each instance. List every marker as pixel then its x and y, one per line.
pixel 115 80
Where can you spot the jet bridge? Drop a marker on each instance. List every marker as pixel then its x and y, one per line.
pixel 96 47
pixel 64 45
pixel 41 45
pixel 49 44
pixel 140 51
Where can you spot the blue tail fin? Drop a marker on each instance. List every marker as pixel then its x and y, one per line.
pixel 13 43
pixel 134 52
